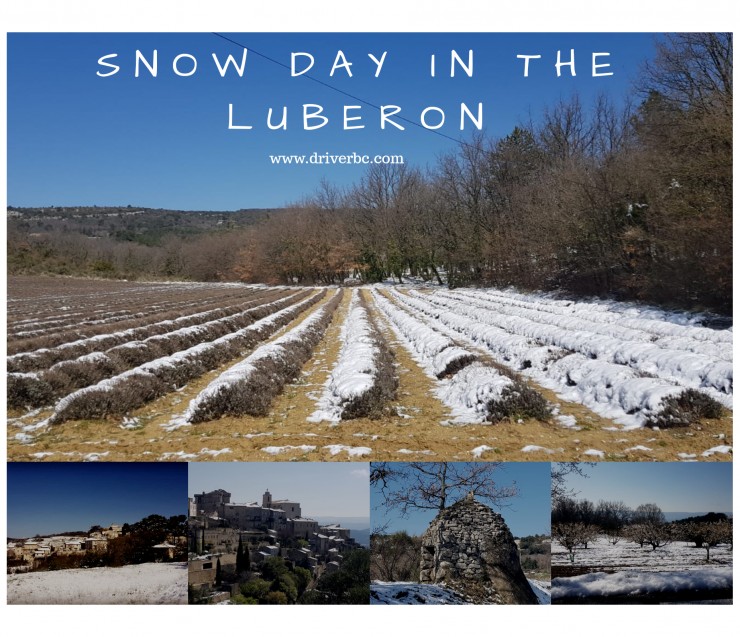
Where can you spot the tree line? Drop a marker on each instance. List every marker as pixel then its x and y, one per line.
pixel 577 523
pixel 624 200
pixel 629 200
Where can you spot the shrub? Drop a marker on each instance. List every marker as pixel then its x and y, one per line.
pixel 518 401
pixel 276 597
pixel 459 361
pixel 689 407
pixel 28 391
pixel 256 588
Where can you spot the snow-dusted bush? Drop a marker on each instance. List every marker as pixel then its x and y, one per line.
pixel 493 396
pixel 28 390
pixel 686 409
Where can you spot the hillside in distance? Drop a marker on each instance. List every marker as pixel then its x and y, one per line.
pixel 147 226
pixel 126 241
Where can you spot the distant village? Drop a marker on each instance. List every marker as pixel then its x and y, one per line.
pixel 34 549
pixel 29 554
pixel 274 528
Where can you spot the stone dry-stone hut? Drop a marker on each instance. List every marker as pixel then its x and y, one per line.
pixel 469 548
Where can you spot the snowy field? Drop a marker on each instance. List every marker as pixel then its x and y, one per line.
pixel 136 584
pixel 160 371
pixel 413 593
pixel 627 571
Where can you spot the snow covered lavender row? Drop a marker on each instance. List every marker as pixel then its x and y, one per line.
pixel 250 386
pixel 606 323
pixel 685 368
pixel 613 391
pixel 440 354
pixel 77 320
pixel 36 390
pixel 160 311
pixel 44 357
pixel 473 391
pixel 135 387
pixel 363 379
pixel 653 320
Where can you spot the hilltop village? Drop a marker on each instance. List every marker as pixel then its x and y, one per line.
pixel 230 544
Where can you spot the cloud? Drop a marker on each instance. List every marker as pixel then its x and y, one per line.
pixel 361 473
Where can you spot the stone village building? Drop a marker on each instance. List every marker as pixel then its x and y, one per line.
pixel 272 528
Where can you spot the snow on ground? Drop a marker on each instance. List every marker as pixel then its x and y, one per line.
pixel 584 367
pixel 468 392
pixel 354 373
pixel 274 451
pixel 182 455
pixel 136 584
pixel 720 449
pixel 413 593
pixel 677 556
pixel 351 451
pixel 479 451
pixel 637 583
pixel 541 589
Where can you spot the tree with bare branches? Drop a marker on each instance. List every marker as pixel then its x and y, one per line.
pixel 412 486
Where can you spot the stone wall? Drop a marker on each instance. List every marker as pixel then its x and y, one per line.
pixel 470 549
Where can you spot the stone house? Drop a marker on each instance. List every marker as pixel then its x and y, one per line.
pixel 210 503
pixel 303 527
pixel 95 543
pixel 112 532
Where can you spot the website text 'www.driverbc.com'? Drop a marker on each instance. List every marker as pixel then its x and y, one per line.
pixel 327 158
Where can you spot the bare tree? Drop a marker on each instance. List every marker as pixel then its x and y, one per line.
pixel 559 473
pixel 693 70
pixel 574 534
pixel 707 534
pixel 411 486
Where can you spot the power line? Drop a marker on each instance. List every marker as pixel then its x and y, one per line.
pixel 338 90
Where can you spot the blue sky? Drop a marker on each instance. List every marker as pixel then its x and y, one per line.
pixel 674 486
pixel 50 497
pixel 77 138
pixel 324 489
pixel 526 514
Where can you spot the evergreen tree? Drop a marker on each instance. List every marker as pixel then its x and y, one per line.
pixel 240 556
